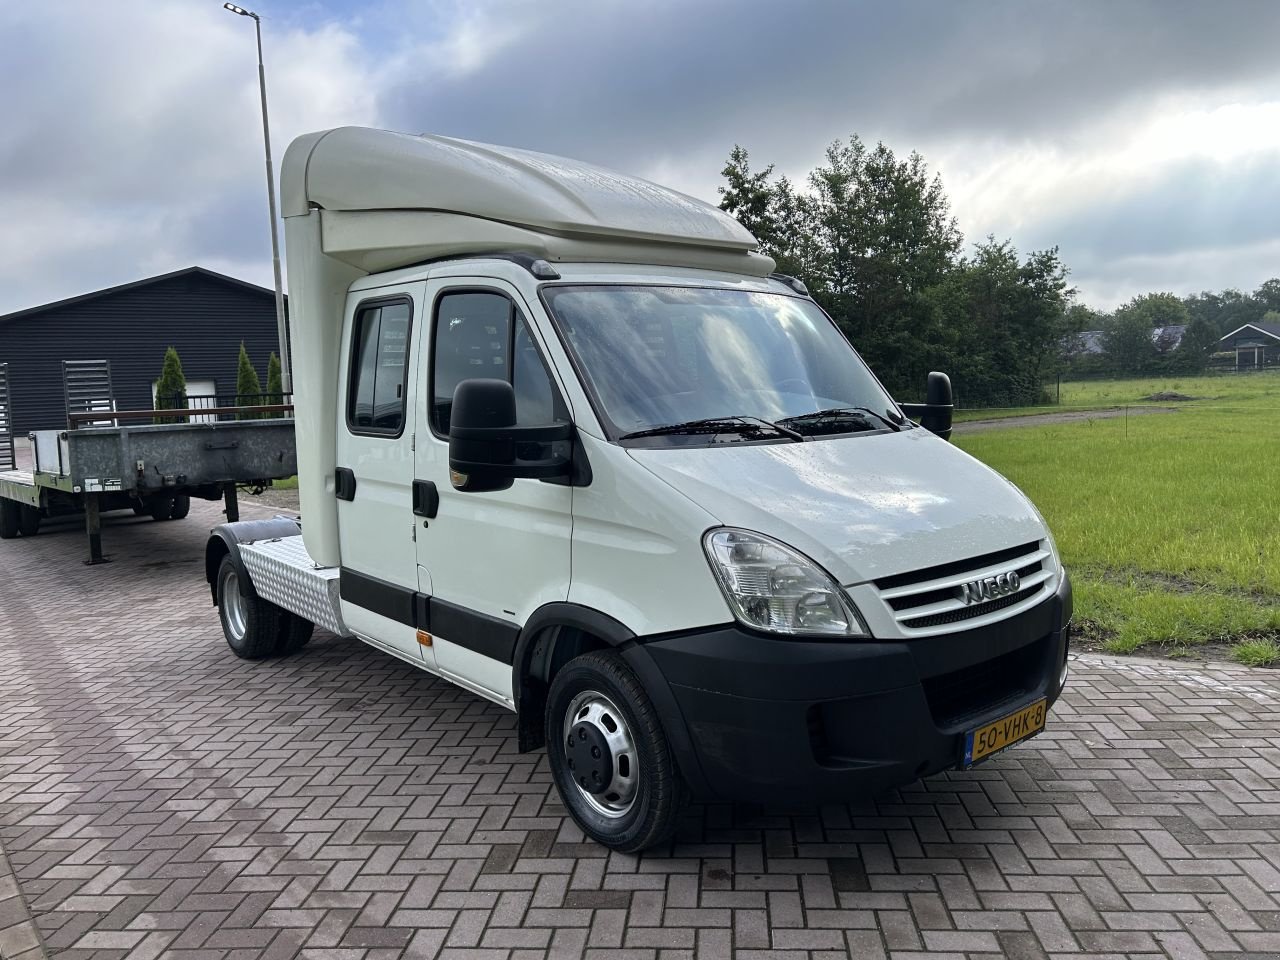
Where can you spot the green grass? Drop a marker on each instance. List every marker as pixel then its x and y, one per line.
pixel 1109 394
pixel 1168 524
pixel 1257 653
pixel 288 483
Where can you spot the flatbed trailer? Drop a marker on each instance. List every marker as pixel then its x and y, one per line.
pixel 150 468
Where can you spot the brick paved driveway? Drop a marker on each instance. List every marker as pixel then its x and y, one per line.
pixel 159 797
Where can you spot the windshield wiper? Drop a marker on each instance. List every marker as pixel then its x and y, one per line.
pixel 835 413
pixel 712 425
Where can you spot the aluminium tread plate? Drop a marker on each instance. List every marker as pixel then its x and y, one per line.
pixel 283 572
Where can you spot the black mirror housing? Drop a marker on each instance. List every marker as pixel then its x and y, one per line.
pixel 484 441
pixel 936 412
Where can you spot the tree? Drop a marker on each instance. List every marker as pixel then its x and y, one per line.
pixel 275 382
pixel 873 237
pixel 1267 296
pixel 248 386
pixel 171 388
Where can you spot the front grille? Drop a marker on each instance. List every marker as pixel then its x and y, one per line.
pixel 983 686
pixel 934 596
pixel 957 566
pixel 968 613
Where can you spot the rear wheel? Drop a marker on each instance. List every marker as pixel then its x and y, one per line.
pixel 250 624
pixel 160 507
pixel 28 521
pixel 8 519
pixel 609 756
pixel 181 507
pixel 295 633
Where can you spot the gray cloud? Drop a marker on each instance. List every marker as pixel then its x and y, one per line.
pixel 131 144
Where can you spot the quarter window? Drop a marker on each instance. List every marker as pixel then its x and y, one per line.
pixel 481 334
pixel 376 402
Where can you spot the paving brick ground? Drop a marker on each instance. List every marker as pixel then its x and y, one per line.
pixel 160 798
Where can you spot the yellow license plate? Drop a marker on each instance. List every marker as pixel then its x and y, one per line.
pixel 990 739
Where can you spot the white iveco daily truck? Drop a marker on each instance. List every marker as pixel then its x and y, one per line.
pixel 565 440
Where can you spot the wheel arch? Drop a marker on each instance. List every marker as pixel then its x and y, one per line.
pixel 557 632
pixel 225 539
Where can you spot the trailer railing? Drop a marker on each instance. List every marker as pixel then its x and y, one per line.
pixel 198 408
pixel 207 415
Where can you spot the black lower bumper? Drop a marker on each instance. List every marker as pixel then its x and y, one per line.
pixel 763 719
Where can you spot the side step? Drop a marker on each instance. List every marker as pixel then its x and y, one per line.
pixel 283 573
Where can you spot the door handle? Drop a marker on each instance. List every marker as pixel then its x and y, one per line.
pixel 426 499
pixel 344 483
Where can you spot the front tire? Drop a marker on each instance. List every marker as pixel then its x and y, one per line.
pixel 609 756
pixel 250 624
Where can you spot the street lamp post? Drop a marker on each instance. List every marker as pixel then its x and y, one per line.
pixel 282 330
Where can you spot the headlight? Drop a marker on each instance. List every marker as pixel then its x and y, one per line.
pixel 774 588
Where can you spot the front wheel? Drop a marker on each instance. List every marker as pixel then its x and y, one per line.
pixel 609 756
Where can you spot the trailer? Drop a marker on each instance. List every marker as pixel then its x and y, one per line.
pixel 98 464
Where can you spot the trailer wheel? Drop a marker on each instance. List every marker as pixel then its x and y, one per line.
pixel 609 756
pixel 160 507
pixel 181 507
pixel 141 508
pixel 250 624
pixel 8 519
pixel 295 633
pixel 28 521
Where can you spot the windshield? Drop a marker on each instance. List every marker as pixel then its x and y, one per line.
pixel 656 356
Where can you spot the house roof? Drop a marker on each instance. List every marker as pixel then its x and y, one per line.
pixel 1268 329
pixel 133 285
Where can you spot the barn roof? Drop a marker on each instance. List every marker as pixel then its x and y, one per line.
pixel 1269 329
pixel 134 285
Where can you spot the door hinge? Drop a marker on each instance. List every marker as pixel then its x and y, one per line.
pixel 413 531
pixel 413 442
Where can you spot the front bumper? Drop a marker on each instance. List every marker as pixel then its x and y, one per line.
pixel 763 719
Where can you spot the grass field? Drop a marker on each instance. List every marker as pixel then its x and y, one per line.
pixel 1169 524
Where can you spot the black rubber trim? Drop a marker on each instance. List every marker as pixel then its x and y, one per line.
pixel 227 537
pixel 478 632
pixel 385 599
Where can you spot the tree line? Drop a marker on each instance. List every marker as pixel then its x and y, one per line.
pixel 872 236
pixel 1162 332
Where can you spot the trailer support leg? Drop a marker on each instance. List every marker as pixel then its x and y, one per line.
pixel 232 504
pixel 93 527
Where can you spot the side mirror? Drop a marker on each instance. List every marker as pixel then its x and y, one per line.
pixel 935 412
pixel 487 451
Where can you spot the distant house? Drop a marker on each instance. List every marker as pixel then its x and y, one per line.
pixel 1090 342
pixel 202 314
pixel 1255 344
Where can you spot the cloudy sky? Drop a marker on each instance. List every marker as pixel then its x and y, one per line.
pixel 1142 137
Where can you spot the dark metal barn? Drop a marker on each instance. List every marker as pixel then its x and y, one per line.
pixel 201 314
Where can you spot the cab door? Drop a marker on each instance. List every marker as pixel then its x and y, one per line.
pixel 488 560
pixel 374 479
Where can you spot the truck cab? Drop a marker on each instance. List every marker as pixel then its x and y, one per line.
pixel 566 440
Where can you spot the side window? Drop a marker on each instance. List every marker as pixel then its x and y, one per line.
pixel 380 341
pixel 483 335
